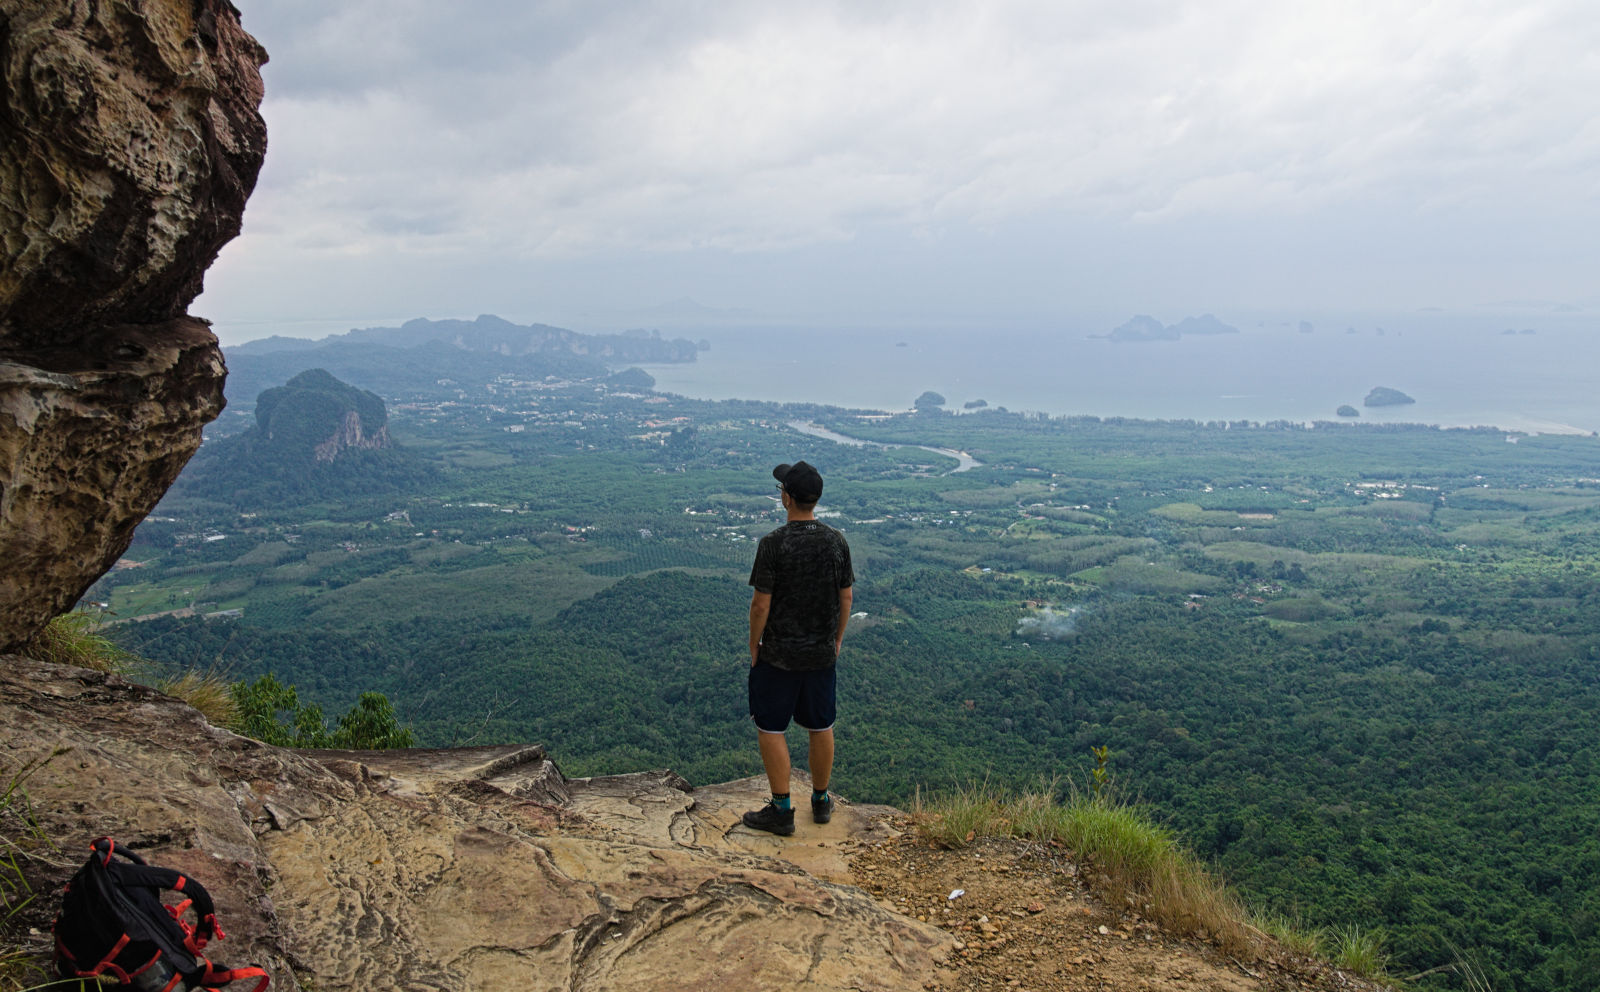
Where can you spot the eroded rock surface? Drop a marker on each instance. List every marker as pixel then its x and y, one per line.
pixel 129 141
pixel 86 453
pixel 478 868
pixel 132 139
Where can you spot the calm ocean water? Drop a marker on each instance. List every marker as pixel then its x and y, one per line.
pixel 1462 371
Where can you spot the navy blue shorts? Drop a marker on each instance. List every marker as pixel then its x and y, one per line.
pixel 778 695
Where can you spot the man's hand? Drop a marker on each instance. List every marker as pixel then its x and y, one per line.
pixel 760 606
pixel 846 598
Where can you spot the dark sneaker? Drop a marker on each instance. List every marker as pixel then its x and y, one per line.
pixel 822 810
pixel 771 819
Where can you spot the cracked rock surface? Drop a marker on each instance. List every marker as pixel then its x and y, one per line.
pixel 464 869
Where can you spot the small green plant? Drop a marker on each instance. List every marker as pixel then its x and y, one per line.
pixel 76 639
pixel 1100 777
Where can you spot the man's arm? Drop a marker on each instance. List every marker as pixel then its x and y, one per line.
pixel 846 596
pixel 760 606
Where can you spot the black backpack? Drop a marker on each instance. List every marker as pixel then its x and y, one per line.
pixel 113 925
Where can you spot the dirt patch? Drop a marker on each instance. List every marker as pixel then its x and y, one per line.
pixel 1024 919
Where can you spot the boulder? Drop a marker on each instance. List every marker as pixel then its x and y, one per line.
pixel 131 141
pixel 86 453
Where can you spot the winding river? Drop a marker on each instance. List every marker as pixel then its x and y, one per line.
pixel 965 461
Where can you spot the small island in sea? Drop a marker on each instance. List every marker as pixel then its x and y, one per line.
pixel 1384 396
pixel 1143 327
pixel 1204 324
pixel 1346 410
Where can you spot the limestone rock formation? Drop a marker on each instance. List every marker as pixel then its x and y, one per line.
pixel 316 416
pixel 129 141
pixel 477 868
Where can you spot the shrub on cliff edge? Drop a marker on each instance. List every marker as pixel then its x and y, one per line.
pixel 272 712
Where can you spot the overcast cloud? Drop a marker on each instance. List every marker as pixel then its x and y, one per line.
pixel 546 160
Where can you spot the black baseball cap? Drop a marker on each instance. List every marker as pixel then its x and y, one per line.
pixel 801 481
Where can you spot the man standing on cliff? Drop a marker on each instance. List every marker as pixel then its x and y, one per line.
pixel 802 579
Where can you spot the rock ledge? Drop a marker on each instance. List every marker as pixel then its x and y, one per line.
pixel 463 869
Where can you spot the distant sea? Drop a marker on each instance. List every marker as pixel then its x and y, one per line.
pixel 1463 371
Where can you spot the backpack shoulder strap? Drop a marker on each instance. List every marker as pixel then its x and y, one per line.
pixel 151 877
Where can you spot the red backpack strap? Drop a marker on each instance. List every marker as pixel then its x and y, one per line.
pixel 214 977
pixel 107 964
pixel 197 938
pixel 65 954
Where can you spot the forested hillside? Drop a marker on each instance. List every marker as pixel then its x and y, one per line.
pixel 1355 666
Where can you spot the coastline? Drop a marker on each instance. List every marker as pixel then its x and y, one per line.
pixel 1460 377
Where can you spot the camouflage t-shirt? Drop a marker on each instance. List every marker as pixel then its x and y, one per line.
pixel 803 564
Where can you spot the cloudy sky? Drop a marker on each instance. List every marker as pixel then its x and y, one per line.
pixel 883 162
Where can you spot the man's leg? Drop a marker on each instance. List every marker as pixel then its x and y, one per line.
pixel 820 759
pixel 775 759
pixel 818 708
pixel 771 702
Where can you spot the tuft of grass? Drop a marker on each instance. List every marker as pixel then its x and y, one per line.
pixel 957 819
pixel 1361 952
pixel 1294 935
pixel 1134 859
pixel 20 968
pixel 209 692
pixel 75 639
pixel 1472 977
pixel 15 892
pixel 17 971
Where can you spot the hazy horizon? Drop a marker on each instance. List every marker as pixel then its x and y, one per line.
pixel 688 318
pixel 897 165
pixel 1462 369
